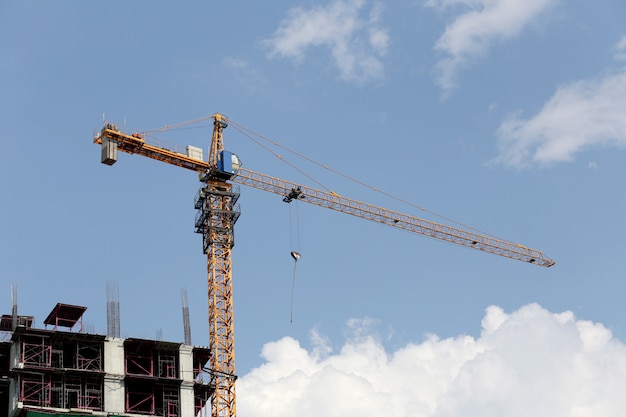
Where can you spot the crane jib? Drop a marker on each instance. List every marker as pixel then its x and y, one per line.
pixel 229 168
pixel 391 218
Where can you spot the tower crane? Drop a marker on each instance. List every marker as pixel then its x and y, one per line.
pixel 218 211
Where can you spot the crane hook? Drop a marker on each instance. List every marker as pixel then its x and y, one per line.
pixel 295 255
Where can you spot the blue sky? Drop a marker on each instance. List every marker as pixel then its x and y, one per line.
pixel 504 115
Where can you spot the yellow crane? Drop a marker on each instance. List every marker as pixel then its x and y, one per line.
pixel 218 211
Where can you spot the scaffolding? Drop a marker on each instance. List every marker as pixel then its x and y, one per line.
pixel 92 397
pixel 152 377
pixel 36 351
pixel 139 397
pixel 147 397
pixel 202 401
pixel 61 391
pixel 203 389
pixel 139 359
pixel 167 364
pixel 55 371
pixel 35 389
pixel 89 356
pixel 59 369
pixel 201 357
pixel 170 402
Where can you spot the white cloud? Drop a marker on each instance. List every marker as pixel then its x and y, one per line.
pixel 356 43
pixel 527 363
pixel 620 49
pixel 580 115
pixel 472 33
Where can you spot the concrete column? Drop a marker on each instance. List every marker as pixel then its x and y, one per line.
pixel 186 386
pixel 114 393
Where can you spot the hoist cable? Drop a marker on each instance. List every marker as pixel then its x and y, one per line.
pixel 244 131
pixel 250 132
pixel 179 125
pixel 293 287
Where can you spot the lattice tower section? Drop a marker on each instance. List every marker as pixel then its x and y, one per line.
pixel 217 213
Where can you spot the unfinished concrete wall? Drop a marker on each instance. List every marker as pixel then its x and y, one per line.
pixel 114 395
pixel 186 386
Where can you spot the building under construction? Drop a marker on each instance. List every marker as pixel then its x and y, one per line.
pixel 61 370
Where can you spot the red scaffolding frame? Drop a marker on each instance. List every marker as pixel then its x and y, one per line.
pixel 202 389
pixel 152 377
pixel 36 351
pixel 35 389
pixel 60 369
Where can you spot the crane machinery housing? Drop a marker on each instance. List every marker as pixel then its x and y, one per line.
pixel 218 211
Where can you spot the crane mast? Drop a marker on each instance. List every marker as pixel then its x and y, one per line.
pixel 218 212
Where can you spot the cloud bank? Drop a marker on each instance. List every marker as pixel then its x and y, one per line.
pixel 581 115
pixel 357 43
pixel 530 362
pixel 472 33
